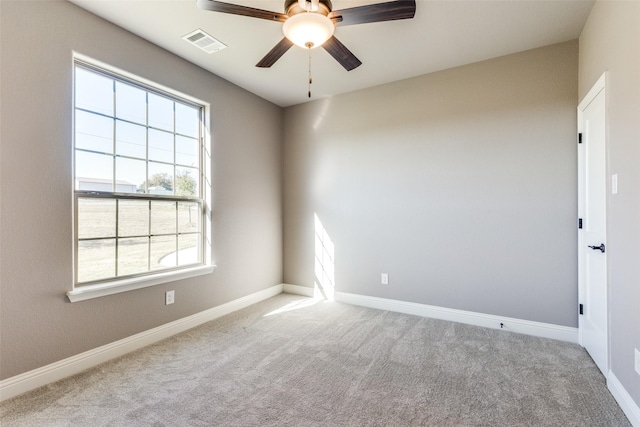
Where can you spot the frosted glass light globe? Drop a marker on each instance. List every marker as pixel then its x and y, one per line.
pixel 308 29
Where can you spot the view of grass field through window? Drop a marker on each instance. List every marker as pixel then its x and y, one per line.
pixel 137 179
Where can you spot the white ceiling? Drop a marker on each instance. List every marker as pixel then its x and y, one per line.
pixel 443 34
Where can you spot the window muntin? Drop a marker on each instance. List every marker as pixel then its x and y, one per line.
pixel 138 179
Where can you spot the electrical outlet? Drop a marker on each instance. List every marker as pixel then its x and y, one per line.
pixel 384 278
pixel 637 353
pixel 169 297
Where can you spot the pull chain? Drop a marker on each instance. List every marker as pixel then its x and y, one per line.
pixel 309 45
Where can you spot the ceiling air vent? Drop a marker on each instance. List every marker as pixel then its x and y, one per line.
pixel 204 41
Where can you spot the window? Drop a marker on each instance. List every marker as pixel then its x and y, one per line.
pixel 138 192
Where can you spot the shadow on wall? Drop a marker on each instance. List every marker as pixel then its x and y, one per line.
pixel 324 263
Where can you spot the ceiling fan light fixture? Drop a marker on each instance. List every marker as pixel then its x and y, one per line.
pixel 308 30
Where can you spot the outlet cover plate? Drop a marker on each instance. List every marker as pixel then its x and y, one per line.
pixel 169 297
pixel 637 353
pixel 384 278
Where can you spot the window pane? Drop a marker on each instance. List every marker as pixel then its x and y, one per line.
pixel 94 171
pixel 130 175
pixel 187 151
pixel 163 217
pixel 133 256
pixel 160 146
pixel 133 218
pixel 163 252
pixel 96 259
pixel 96 218
pixel 94 92
pixel 187 120
pixel 160 112
pixel 188 217
pixel 94 132
pixel 186 181
pixel 131 103
pixel 188 249
pixel 160 179
pixel 131 140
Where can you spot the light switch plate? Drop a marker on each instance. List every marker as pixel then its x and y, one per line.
pixel 637 353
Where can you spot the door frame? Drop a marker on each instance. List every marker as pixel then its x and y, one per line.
pixel 599 86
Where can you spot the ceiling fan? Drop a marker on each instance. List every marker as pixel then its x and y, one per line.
pixel 311 23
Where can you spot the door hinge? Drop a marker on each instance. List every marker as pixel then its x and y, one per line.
pixel 580 138
pixel 581 309
pixel 580 223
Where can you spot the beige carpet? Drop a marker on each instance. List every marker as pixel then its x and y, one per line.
pixel 290 361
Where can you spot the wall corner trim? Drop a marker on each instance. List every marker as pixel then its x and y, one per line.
pixel 629 407
pixel 42 376
pixel 527 327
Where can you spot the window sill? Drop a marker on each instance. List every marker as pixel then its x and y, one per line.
pixel 95 291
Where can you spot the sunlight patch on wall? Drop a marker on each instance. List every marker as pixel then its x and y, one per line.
pixel 324 263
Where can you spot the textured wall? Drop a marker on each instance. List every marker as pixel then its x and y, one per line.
pixel 38 324
pixel 460 184
pixel 610 41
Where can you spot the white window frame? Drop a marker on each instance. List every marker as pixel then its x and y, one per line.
pixel 115 285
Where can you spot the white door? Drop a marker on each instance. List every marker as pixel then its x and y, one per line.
pixel 592 250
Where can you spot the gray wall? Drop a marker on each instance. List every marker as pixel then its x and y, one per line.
pixel 610 41
pixel 460 184
pixel 38 324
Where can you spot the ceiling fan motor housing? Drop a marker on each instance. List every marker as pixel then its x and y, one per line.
pixel 292 7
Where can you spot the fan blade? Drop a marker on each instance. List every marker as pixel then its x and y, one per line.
pixel 236 9
pixel 275 53
pixel 341 54
pixel 389 11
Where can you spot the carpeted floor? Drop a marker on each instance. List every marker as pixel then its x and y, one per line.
pixel 293 361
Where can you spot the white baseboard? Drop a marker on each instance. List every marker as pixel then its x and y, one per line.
pixel 544 330
pixel 39 377
pixel 629 407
